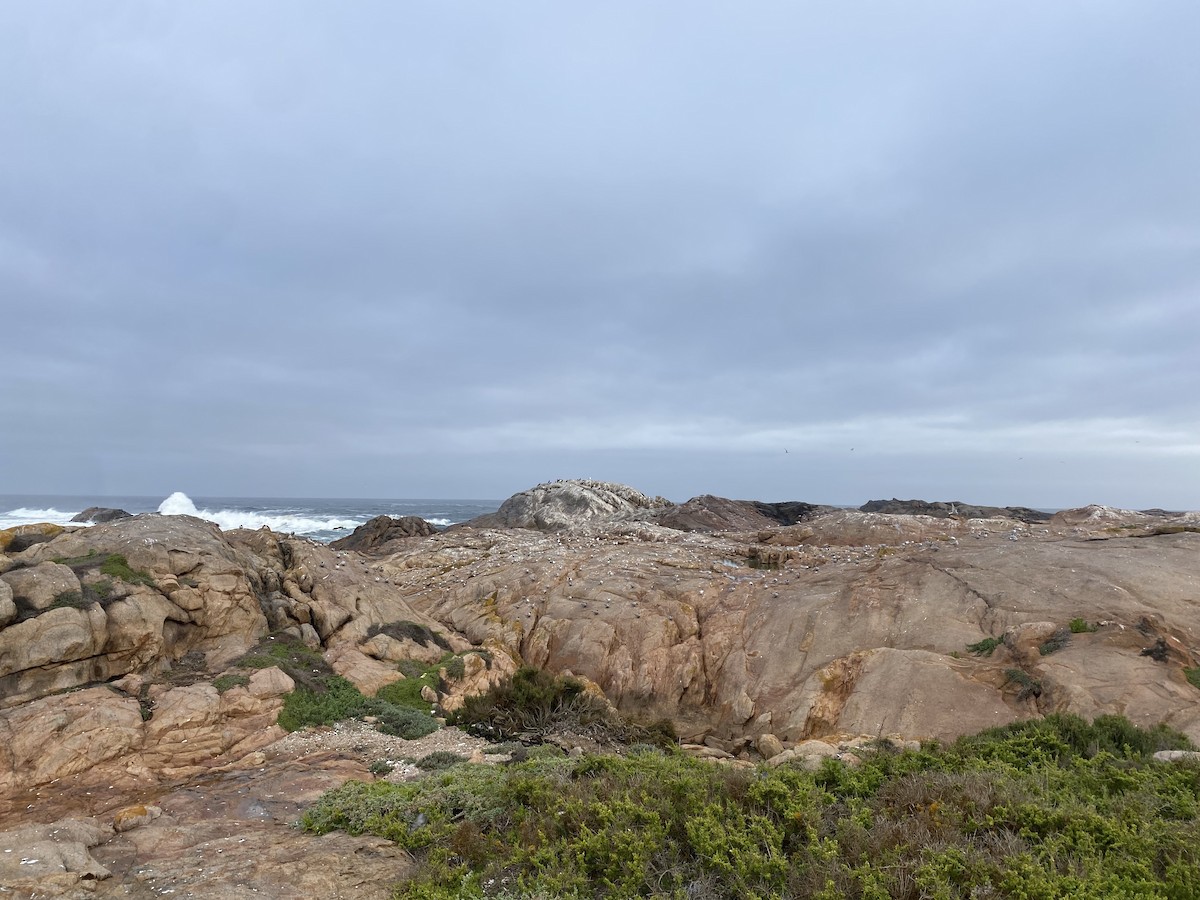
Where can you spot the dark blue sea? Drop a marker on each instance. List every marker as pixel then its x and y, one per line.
pixel 324 519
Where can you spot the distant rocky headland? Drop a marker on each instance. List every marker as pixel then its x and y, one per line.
pixel 132 651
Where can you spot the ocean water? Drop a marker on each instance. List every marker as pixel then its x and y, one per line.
pixel 323 519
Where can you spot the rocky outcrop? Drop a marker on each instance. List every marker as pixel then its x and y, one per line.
pixel 22 537
pixel 36 589
pixel 954 508
pixel 380 530
pixel 862 625
pixel 709 513
pixel 560 505
pixel 179 588
pixel 98 515
pixel 751 641
pixel 175 731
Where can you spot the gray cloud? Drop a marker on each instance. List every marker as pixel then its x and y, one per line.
pixel 400 249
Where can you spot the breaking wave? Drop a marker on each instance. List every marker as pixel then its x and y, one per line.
pixel 282 521
pixel 24 515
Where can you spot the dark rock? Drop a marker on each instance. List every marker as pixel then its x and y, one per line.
pixel 101 514
pixel 709 513
pixel 953 508
pixel 381 529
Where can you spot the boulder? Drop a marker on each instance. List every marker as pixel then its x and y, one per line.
pixel 272 682
pixel 39 587
pixel 132 817
pixel 22 537
pixel 367 674
pixel 381 529
pixel 100 514
pixel 1177 755
pixel 58 650
pixel 768 745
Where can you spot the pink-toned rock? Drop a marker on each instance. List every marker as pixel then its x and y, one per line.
pixel 132 817
pixel 768 745
pixel 838 639
pixel 367 674
pixel 272 682
pixel 66 734
pixel 55 651
pixel 38 587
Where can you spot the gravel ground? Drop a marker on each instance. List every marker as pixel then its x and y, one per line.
pixel 360 739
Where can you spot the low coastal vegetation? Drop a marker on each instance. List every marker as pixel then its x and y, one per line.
pixel 114 565
pixel 117 566
pixel 1047 808
pixel 322 697
pixel 1081 626
pixel 535 704
pixel 985 647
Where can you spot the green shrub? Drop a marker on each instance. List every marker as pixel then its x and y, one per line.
pixel 1016 812
pixel 533 704
pixel 90 559
pixel 117 566
pixel 334 699
pixel 224 682
pixel 985 647
pixel 101 590
pixel 1029 686
pixel 1081 626
pixel 380 767
pixel 529 703
pixel 503 747
pixel 406 693
pixel 69 600
pixel 303 664
pixel 455 668
pixel 1193 676
pixel 305 706
pixel 1057 641
pixel 410 631
pixel 409 724
pixel 440 759
pixel 410 668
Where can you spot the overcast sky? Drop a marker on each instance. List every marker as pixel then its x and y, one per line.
pixel 780 250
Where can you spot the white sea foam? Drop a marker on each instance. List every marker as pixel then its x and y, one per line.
pixel 24 515
pixel 441 523
pixel 180 504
